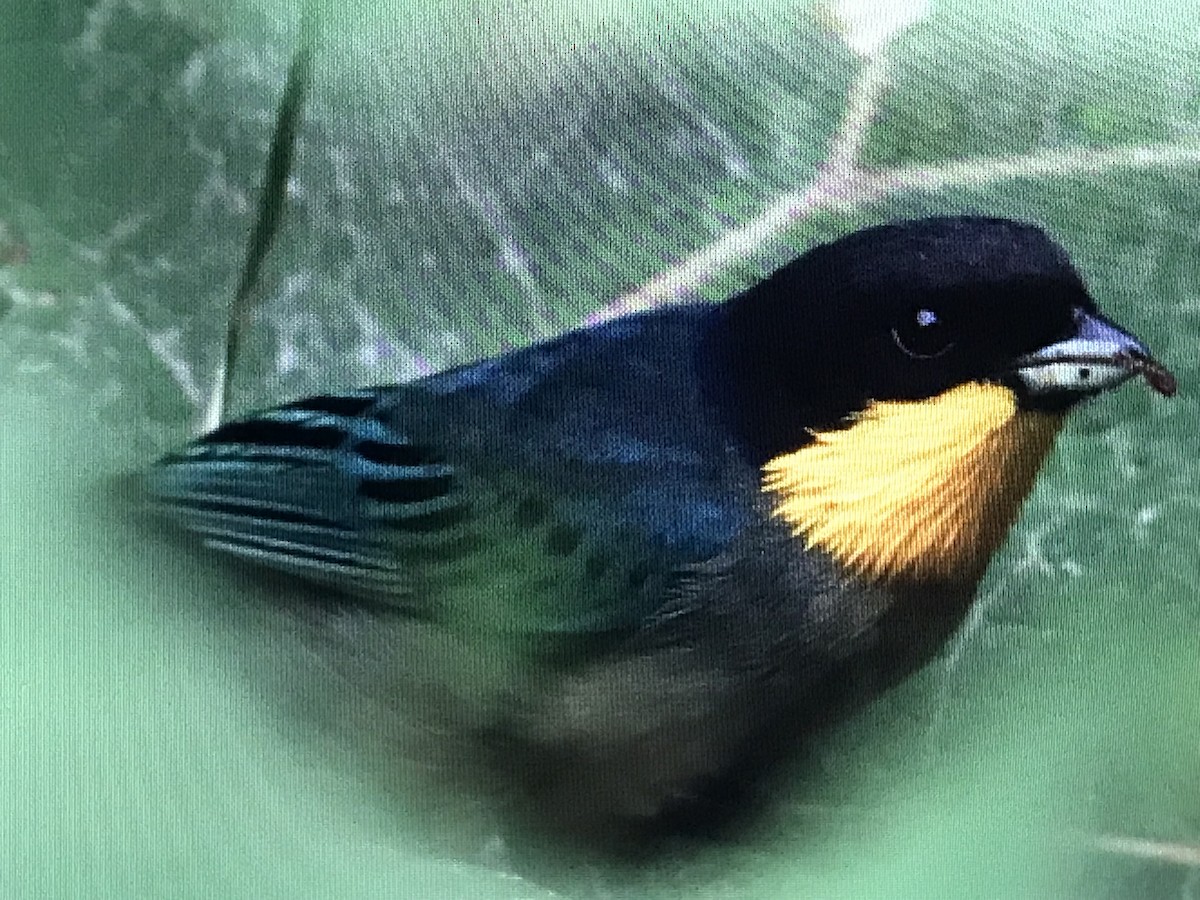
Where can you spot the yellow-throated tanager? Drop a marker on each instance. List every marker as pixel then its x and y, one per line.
pixel 691 533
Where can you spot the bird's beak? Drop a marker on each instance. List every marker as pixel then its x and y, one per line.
pixel 1096 357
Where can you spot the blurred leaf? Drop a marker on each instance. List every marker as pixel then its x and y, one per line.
pixel 470 177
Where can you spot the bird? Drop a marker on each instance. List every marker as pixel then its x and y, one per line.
pixel 661 552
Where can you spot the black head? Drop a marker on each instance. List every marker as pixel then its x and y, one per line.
pixel 902 311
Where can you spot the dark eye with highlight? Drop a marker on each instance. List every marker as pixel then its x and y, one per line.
pixel 923 334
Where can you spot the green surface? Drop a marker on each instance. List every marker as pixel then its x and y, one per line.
pixel 465 182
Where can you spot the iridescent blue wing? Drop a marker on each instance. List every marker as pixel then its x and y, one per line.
pixel 313 489
pixel 560 488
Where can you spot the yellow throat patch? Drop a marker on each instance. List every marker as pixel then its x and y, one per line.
pixel 915 490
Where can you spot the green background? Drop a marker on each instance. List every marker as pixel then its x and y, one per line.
pixel 471 176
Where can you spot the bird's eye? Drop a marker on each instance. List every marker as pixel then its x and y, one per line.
pixel 923 334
